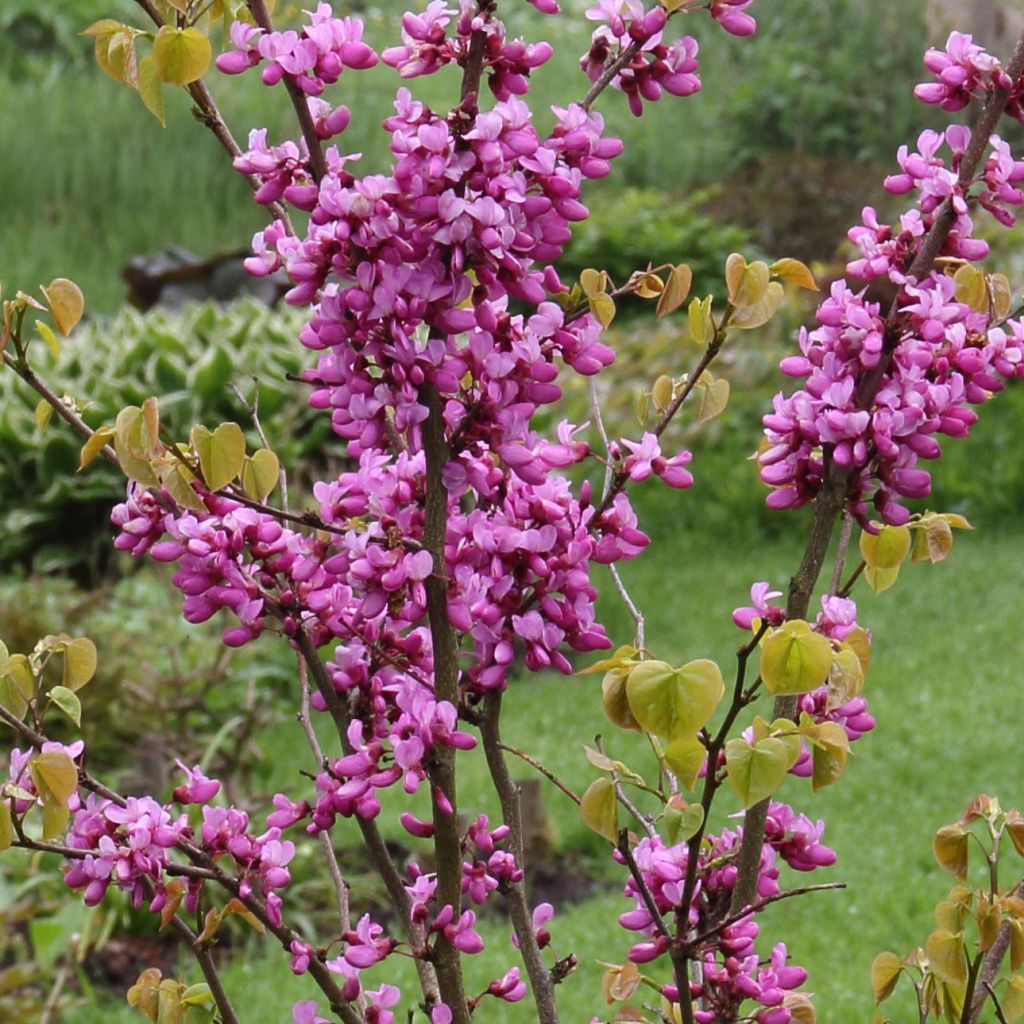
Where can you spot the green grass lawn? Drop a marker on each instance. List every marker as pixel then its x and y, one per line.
pixel 945 686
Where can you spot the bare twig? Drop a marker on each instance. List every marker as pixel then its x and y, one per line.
pixel 253 408
pixel 541 981
pixel 341 887
pixel 845 532
pixel 546 772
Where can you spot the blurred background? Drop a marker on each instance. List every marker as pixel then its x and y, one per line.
pixel 792 134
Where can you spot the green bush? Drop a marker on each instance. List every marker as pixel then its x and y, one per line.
pixel 630 228
pixel 52 517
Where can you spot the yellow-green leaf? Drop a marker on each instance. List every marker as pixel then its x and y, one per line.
pixel 674 703
pixel 177 481
pixel 221 453
pixel 933 539
pixel 685 757
pixel 1012 1000
pixel 68 702
pixel 750 317
pixel 144 994
pixel 181 55
pixel 845 677
pixel 1016 944
pixel 677 288
pixel 151 89
pixel 885 549
pixel 79 662
pixel 66 303
pixel 260 473
pixel 794 272
pixel 971 288
pixel 46 333
pixel 701 326
pixel 880 580
pixel 6 826
pixel 950 848
pixel 236 906
pixel 713 400
pixel 616 701
pixel 56 778
pixel 662 392
pixel 593 282
pixel 735 265
pixel 43 413
pixel 600 810
pixel 169 995
pixel 100 437
pixel 682 823
pixel 945 951
pixel 756 771
pixel 603 308
pixel 17 684
pixel 885 972
pixel 648 286
pixel 752 286
pixel 795 659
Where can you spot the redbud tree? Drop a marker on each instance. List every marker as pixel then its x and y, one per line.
pixel 454 545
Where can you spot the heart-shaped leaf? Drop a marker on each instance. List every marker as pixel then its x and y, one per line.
pixel 221 453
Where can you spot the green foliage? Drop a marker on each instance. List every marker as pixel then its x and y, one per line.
pixel 54 518
pixel 631 228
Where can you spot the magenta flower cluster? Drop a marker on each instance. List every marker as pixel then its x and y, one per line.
pixel 732 972
pixel 880 386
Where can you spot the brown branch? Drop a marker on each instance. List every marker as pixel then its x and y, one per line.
pixel 541 981
pixel 831 499
pixel 990 966
pixel 441 765
pixel 608 74
pixel 317 161
pixel 209 969
pixel 375 845
pixel 211 116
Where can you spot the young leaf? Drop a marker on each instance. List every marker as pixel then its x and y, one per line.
pixel 662 392
pixel 682 823
pixel 1012 1000
pixel 66 700
pixel 603 308
pixel 17 684
pixel 756 771
pixel 685 758
pixel 1001 295
pixel 885 549
pixel 950 847
pixel 752 286
pixel 759 313
pixel 66 303
pixel 95 445
pixel 236 906
pixel 6 826
pixel 43 413
pixel 151 89
pixel 260 473
pixel 701 326
pixel 79 662
pixel 221 453
pixel 880 580
pixel 735 265
pixel 713 400
pixel 175 893
pixel 144 994
pixel 181 55
pixel 677 288
pixel 794 272
pixel 593 282
pixel 885 972
pixel 971 288
pixel 46 333
pixel 674 703
pixel 945 951
pixel 616 701
pixel 795 659
pixel 600 810
pixel 56 778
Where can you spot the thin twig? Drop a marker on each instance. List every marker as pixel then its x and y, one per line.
pixel 48 1015
pixel 210 115
pixel 644 820
pixel 546 772
pixel 541 981
pixel 253 408
pixel 341 887
pixel 845 531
